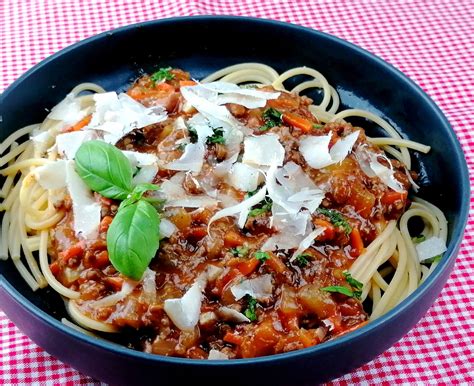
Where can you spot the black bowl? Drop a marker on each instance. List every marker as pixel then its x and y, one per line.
pixel 201 45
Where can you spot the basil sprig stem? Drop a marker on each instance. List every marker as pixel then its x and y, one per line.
pixel 133 235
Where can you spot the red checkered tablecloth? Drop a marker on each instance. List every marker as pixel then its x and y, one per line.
pixel 430 41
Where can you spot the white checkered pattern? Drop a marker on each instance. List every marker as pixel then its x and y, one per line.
pixel 430 41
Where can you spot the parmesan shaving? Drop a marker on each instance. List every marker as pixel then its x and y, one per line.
pixel 263 150
pixel 117 115
pixel 260 288
pixel 429 248
pixel 85 209
pixel 315 149
pixel 185 311
pixel 306 242
pixel 245 205
pixel 69 143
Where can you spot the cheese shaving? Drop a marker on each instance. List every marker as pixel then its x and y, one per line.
pixel 245 205
pixel 263 150
pixel 185 311
pixel 85 209
pixel 315 149
pixel 306 242
pixel 260 288
pixel 429 248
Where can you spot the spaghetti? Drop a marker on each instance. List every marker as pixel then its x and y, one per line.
pixel 386 270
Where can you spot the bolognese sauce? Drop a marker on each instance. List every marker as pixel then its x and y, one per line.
pixel 254 302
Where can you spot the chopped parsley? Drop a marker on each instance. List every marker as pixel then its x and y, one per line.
pixel 356 285
pixel 317 126
pixel 193 137
pixel 250 312
pixel 240 251
pixel 340 289
pixel 162 74
pixel 262 256
pixel 336 218
pixel 217 136
pixel 272 118
pixel 266 207
pixel 302 260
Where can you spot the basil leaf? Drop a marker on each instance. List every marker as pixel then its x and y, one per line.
pixel 137 194
pixel 339 289
pixel 133 238
pixel 104 169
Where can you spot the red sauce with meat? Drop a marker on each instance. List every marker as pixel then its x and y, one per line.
pixel 298 313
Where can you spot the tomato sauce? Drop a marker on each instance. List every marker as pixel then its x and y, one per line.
pixel 298 313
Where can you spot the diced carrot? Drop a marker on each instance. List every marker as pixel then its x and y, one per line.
pixel 105 223
pixel 115 282
pixel 54 267
pixel 183 83
pixel 299 122
pixel 307 338
pixel 276 264
pixel 248 266
pixel 164 87
pixel 391 196
pixel 233 239
pixel 197 233
pixel 356 242
pixel 223 280
pixel 284 101
pixel 79 125
pixel 101 259
pixel 329 230
pixel 350 329
pixel 72 252
pixel 233 338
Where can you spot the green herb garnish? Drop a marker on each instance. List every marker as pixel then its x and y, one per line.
pixel 240 251
pixel 250 312
pixel 272 118
pixel 340 289
pixel 133 236
pixel 302 260
pixel 431 260
pixel 354 283
pixel 193 137
pixel 162 74
pixel 317 126
pixel 261 208
pixel 336 218
pixel 217 136
pixel 418 239
pixel 261 256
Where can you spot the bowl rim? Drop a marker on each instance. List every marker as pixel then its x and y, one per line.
pixel 451 253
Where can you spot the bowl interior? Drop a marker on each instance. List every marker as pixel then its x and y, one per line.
pixel 202 45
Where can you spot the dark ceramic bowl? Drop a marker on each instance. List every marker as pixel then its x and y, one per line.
pixel 202 45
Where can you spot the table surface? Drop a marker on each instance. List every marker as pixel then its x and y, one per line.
pixel 430 41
